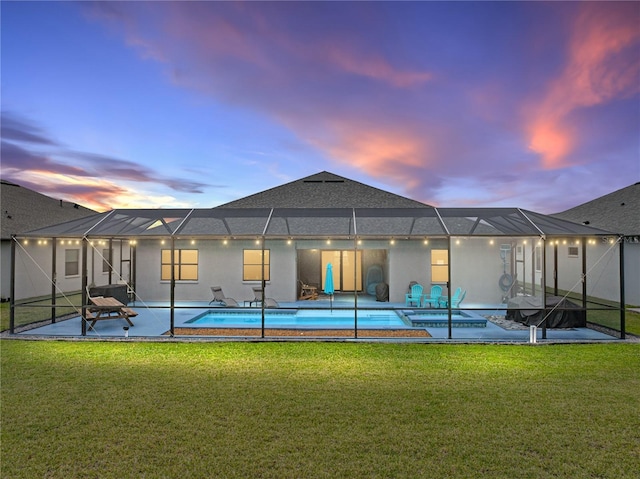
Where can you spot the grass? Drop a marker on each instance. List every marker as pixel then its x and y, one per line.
pixel 38 309
pixel 307 409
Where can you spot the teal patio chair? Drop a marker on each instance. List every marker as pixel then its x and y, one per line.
pixel 456 303
pixel 457 297
pixel 434 298
pixel 415 296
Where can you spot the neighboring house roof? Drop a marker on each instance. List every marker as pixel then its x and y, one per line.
pixel 618 212
pixel 324 190
pixel 25 210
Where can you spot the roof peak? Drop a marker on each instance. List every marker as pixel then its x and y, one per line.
pixel 325 190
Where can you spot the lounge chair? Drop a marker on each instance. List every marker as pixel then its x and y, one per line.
pixel 271 303
pixel 415 296
pixel 219 297
pixel 433 299
pixel 258 298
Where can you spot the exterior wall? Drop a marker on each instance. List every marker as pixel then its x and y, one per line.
pixel 219 264
pixel 603 270
pixel 477 267
pixel 34 267
pixel 408 261
pixel 632 273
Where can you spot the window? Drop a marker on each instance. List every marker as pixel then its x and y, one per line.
pixel 573 251
pixel 538 258
pixel 252 265
pixel 72 262
pixel 185 265
pixel 106 260
pixel 439 265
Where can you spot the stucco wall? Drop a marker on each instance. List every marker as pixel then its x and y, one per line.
pixel 34 268
pixel 219 264
pixel 603 270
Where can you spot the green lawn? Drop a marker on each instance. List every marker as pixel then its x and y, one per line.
pixel 307 409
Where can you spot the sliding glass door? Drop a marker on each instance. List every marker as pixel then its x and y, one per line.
pixel 347 269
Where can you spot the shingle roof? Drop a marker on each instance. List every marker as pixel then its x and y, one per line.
pixel 618 211
pixel 319 205
pixel 324 190
pixel 25 210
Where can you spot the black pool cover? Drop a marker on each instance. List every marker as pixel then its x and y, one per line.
pixel 562 313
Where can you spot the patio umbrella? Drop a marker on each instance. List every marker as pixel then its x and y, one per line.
pixel 328 284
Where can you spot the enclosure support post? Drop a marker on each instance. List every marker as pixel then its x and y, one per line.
pixel 544 284
pixel 584 276
pixel 555 268
pixel 84 295
pixel 133 267
pixel 110 260
pixel 12 288
pixel 54 280
pixel 623 334
pixel 172 293
pixel 355 284
pixel 450 320
pixel 263 284
pixel 533 268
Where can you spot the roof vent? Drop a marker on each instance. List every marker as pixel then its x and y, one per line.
pixel 622 204
pixel 586 222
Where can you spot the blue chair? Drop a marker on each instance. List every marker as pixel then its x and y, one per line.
pixel 434 298
pixel 415 296
pixel 457 297
pixel 456 303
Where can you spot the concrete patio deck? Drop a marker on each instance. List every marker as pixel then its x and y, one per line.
pixel 153 321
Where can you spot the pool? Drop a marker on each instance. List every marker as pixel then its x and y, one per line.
pixel 336 319
pixel 300 319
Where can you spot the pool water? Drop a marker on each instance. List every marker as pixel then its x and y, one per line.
pixel 307 318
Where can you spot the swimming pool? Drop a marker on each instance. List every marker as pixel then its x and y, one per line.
pixel 300 319
pixel 336 319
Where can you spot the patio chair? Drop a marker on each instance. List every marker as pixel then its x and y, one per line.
pixel 456 304
pixel 434 298
pixel 415 296
pixel 219 297
pixel 455 299
pixel 307 291
pixel 258 298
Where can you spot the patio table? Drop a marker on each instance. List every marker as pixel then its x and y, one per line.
pixel 109 308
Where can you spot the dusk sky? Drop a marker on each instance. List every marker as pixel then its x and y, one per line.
pixel 195 104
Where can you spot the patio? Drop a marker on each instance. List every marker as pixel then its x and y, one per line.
pixel 153 322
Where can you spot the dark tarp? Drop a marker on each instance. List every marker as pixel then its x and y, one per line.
pixel 382 292
pixel 562 313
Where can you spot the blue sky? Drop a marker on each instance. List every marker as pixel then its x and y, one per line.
pixel 194 104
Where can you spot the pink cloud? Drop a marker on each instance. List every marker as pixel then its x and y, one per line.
pixel 596 72
pixel 375 67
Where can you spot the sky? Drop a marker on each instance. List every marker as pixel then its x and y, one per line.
pixel 188 104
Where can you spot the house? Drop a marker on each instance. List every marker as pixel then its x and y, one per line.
pixel 25 210
pixel 618 212
pixel 285 236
